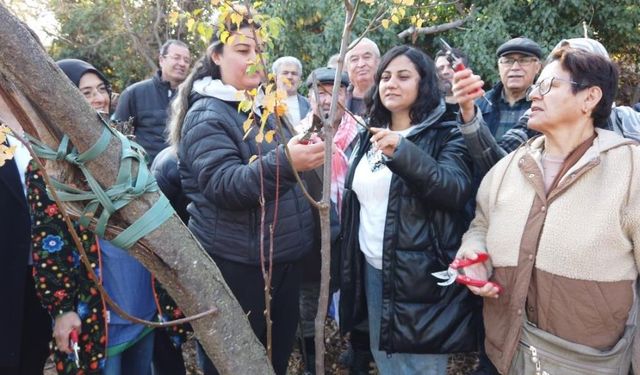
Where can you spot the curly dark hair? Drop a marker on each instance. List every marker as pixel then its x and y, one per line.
pixel 429 95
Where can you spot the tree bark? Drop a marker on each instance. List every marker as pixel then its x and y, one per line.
pixel 177 260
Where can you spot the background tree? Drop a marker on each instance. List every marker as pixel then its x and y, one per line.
pixel 97 30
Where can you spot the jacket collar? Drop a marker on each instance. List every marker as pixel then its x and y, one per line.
pixel 431 119
pixel 157 78
pixel 605 141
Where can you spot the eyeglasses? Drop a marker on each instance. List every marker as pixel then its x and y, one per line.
pixel 545 86
pixel 186 59
pixel 522 61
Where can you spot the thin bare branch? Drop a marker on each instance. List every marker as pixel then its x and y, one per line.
pixel 156 24
pixel 438 28
pixel 380 13
pixel 151 62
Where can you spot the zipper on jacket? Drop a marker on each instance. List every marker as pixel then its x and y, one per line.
pixel 539 363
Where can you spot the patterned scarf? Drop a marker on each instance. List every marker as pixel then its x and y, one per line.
pixel 347 131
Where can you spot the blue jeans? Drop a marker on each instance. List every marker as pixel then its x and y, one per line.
pixel 396 363
pixel 134 360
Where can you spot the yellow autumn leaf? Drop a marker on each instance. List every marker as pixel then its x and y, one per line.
pixel 190 23
pixel 385 23
pixel 419 23
pixel 173 17
pixel 6 153
pixel 4 130
pixel 408 2
pixel 224 36
pixel 368 2
pixel 281 109
pixel 236 19
pixel 402 12
pixel 247 124
pixel 269 136
pixel 395 19
pixel 259 137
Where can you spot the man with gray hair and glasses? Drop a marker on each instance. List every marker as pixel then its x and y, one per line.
pixel 486 151
pixel 288 70
pixel 518 65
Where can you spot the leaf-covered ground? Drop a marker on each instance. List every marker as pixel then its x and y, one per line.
pixel 460 364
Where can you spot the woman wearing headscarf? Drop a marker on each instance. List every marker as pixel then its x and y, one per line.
pixel 108 343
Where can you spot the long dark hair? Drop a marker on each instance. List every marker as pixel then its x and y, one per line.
pixel 429 95
pixel 203 67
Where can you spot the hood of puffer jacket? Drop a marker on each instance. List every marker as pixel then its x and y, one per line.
pixel 215 88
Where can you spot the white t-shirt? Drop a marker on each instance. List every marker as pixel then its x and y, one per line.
pixel 371 183
pixel 293 109
pixel 22 157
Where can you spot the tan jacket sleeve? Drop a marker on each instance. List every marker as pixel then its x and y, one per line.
pixel 475 239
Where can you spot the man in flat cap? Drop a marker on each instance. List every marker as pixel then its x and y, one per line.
pixel 518 65
pixel 345 130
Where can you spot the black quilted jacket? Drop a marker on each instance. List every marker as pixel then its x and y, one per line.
pixel 147 102
pixel 223 183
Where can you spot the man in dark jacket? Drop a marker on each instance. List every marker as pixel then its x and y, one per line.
pixel 288 72
pixel 147 101
pixel 25 327
pixel 518 65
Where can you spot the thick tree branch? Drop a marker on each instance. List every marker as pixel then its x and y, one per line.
pixel 178 261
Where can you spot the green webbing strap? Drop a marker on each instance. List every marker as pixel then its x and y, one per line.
pixel 125 189
pixel 160 211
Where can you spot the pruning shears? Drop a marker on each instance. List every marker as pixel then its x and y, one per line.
pixel 455 273
pixel 316 127
pixel 456 62
pixel 73 338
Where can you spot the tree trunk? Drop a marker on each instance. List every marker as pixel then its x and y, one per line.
pixel 177 260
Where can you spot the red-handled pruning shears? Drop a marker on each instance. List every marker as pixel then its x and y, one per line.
pixel 456 62
pixel 455 273
pixel 73 338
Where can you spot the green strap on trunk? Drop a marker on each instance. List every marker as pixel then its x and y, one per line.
pixel 107 201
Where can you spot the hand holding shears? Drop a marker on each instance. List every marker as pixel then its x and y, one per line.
pixel 472 273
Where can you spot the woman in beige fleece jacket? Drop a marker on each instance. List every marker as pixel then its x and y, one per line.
pixel 559 218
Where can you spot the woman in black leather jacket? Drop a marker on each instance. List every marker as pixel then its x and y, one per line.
pixel 403 218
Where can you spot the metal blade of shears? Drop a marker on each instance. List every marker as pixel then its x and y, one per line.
pixel 445 275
